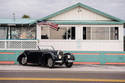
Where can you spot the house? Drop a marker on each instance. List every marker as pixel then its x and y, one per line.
pixel 79 29
pixel 82 28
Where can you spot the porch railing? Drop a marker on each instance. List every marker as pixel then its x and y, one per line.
pixel 18 44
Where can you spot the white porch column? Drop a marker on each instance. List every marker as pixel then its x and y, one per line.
pixel 121 36
pixel 79 32
pixel 121 32
pixel 38 28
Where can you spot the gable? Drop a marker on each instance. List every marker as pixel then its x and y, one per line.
pixel 79 13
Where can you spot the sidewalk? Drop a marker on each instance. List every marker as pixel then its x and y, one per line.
pixel 75 68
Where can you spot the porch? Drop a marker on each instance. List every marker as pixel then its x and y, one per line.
pixel 17 34
pixel 18 44
pixel 82 37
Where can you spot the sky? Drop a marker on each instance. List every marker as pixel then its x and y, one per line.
pixel 41 8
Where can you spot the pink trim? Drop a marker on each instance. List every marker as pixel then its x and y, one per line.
pixel 7 62
pixel 114 54
pixel 86 63
pixel 86 53
pixel 7 53
pixel 114 63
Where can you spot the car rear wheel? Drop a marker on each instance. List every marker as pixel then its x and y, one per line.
pixel 23 60
pixel 50 63
pixel 68 65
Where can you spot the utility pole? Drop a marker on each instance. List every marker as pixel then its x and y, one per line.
pixel 14 17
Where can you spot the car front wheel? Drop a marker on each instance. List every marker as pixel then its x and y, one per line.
pixel 68 65
pixel 23 60
pixel 50 63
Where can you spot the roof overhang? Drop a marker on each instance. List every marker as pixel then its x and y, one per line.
pixel 17 21
pixel 67 22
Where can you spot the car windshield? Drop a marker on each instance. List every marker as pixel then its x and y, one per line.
pixel 44 47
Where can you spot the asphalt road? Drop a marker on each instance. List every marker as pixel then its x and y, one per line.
pixel 59 75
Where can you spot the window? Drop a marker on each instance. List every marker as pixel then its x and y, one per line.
pixel 45 32
pixel 22 33
pixel 63 33
pixel 100 33
pixel 3 32
pixel 15 33
pixel 70 33
pixel 114 33
pixel 86 33
pixel 60 34
pixel 73 32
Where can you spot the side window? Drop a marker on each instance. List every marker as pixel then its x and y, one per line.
pixel 70 33
pixel 58 34
pixel 114 33
pixel 73 33
pixel 22 33
pixel 44 33
pixel 86 33
pixel 15 33
pixel 100 33
pixel 3 32
pixel 63 33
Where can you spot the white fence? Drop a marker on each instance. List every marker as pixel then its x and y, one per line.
pixel 18 44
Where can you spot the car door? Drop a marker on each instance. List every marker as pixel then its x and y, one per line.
pixel 33 56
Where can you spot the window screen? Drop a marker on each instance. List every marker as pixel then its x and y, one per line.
pixel 86 33
pixel 3 32
pixel 100 33
pixel 114 33
pixel 63 33
pixel 22 33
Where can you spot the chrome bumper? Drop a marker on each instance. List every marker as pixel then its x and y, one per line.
pixel 60 61
pixel 70 61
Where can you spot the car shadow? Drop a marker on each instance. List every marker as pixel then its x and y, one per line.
pixel 41 66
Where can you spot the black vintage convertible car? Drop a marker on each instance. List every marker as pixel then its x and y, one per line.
pixel 46 57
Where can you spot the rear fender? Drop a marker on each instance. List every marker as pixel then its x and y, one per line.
pixel 20 56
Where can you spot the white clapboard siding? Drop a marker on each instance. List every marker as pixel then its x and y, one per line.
pixel 79 13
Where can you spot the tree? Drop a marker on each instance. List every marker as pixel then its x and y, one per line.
pixel 25 16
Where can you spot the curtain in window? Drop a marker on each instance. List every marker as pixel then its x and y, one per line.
pixel 23 32
pixel 3 32
pixel 63 33
pixel 114 33
pixel 100 33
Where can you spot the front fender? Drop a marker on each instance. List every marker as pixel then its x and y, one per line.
pixel 72 56
pixel 51 55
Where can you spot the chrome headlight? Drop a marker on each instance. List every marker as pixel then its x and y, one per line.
pixel 59 56
pixel 68 56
